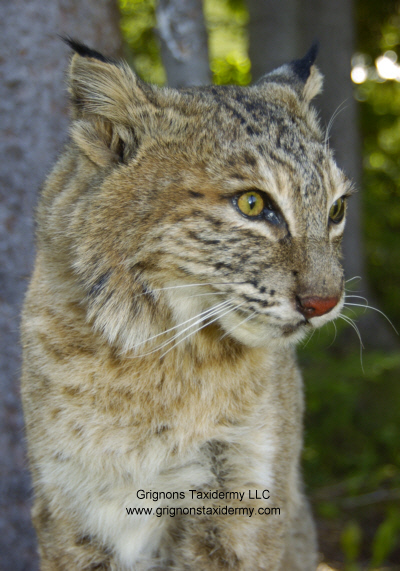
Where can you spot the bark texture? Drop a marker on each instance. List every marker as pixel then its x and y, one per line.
pixel 33 117
pixel 183 42
pixel 273 33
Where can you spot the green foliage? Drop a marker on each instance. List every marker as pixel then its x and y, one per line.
pixel 371 19
pixel 380 113
pixel 138 20
pixel 353 428
pixel 380 126
pixel 228 44
pixel 351 544
pixel 352 456
pixel 386 537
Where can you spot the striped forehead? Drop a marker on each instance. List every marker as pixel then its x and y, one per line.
pixel 274 146
pixel 303 183
pixel 302 190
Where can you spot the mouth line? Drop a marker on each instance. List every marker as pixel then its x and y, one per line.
pixel 288 330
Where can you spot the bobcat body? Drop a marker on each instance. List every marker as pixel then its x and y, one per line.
pixel 186 240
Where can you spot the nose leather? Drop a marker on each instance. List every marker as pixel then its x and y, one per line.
pixel 315 306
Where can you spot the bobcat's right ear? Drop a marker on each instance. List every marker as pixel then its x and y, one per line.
pixel 301 75
pixel 111 109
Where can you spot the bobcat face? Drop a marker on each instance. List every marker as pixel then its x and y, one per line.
pixel 218 205
pixel 278 267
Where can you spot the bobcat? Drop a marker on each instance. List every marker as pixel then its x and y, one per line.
pixel 186 240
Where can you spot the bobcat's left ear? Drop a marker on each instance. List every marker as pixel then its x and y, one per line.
pixel 301 74
pixel 112 108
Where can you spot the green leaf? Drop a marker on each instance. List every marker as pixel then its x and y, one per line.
pixel 350 541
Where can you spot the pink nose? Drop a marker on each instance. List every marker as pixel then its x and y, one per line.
pixel 315 306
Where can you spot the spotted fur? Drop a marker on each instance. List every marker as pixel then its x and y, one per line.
pixel 160 322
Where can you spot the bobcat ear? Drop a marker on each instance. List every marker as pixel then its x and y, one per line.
pixel 308 73
pixel 301 74
pixel 109 106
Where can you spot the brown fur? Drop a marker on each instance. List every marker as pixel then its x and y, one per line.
pixel 142 203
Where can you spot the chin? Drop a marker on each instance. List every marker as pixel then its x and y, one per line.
pixel 258 332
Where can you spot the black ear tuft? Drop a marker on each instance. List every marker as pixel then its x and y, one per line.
pixel 302 66
pixel 84 51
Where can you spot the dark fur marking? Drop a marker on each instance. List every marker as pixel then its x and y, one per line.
pixel 252 299
pixel 250 160
pixel 83 540
pixel 217 449
pixel 234 112
pixel 220 265
pixel 196 194
pixel 99 285
pixel 211 241
pixel 109 297
pixel 216 222
pixel 239 96
pixel 252 131
pixel 161 429
pixel 120 150
pixel 196 213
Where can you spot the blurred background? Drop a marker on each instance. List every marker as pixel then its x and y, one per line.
pixel 351 368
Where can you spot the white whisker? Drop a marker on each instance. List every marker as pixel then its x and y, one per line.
pixel 357 297
pixel 209 293
pixel 354 326
pixel 151 290
pixel 334 339
pixel 239 324
pixel 375 309
pixel 354 278
pixel 203 313
pixel 196 285
pixel 349 308
pixel 337 112
pixel 221 314
pixel 309 339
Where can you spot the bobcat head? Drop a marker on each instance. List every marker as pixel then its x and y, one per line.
pixel 216 207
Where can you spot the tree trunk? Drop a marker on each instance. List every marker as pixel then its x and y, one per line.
pixel 183 42
pixel 273 34
pixel 34 117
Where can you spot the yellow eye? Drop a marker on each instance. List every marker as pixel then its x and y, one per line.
pixel 250 203
pixel 336 212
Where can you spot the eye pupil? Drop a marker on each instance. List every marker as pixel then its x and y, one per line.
pixel 250 203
